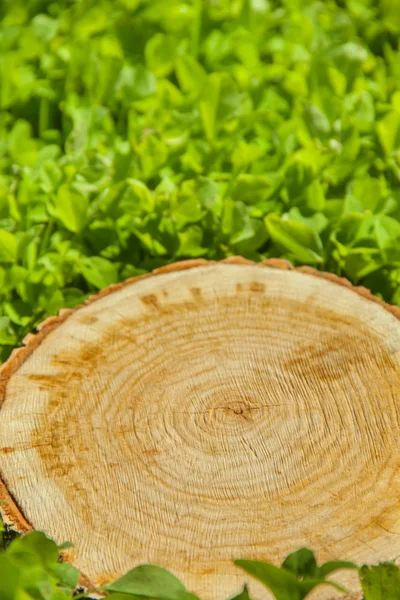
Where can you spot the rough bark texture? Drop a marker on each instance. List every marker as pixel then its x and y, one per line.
pixel 204 412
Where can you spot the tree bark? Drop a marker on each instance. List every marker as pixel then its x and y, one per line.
pixel 204 412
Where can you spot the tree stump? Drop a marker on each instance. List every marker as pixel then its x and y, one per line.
pixel 205 412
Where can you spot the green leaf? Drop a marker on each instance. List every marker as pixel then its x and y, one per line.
pixel 381 582
pixel 368 191
pixel 65 545
pixel 190 74
pixel 299 240
pixel 121 596
pixel 220 101
pixel 9 579
pixel 253 235
pixel 190 242
pixel 302 563
pixel 282 583
pixel 8 247
pixel 151 581
pixel 38 545
pixel 22 148
pixel 99 271
pixel 140 196
pixel 297 177
pixel 251 189
pixel 316 121
pixel 135 83
pixel 335 565
pixel 71 208
pixel 66 574
pixel 209 105
pixel 188 212
pixel 388 130
pixel 244 594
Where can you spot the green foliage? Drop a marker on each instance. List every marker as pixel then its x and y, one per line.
pixel 134 133
pixel 298 575
pixel 381 582
pixel 31 568
pixel 151 581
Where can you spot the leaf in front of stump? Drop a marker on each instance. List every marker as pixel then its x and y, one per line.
pixel 302 563
pixel 38 545
pixel 381 582
pixel 282 583
pixel 66 574
pixel 122 596
pixel 9 579
pixel 244 594
pixel 65 545
pixel 335 565
pixel 151 581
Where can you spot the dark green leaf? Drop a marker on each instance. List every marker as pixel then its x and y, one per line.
pixel 244 594
pixel 99 271
pixel 302 563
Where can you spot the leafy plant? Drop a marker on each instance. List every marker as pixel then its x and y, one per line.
pixel 32 568
pixel 298 575
pixel 134 133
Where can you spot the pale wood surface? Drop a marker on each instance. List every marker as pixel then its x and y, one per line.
pixel 206 412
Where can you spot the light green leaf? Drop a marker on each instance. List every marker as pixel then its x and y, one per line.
pixel 190 242
pixel 299 240
pixel 71 208
pixel 66 574
pixel 141 195
pixel 65 545
pixel 209 105
pixel 297 177
pixel 188 212
pixel 190 74
pixel 220 101
pixel 251 189
pixel 388 132
pixel 9 579
pixel 8 247
pixel 135 83
pixel 37 544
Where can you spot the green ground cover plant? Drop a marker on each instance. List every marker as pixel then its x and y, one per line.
pixel 31 568
pixel 134 133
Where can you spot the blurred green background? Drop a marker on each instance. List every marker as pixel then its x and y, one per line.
pixel 134 133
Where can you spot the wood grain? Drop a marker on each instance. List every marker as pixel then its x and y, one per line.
pixel 205 412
